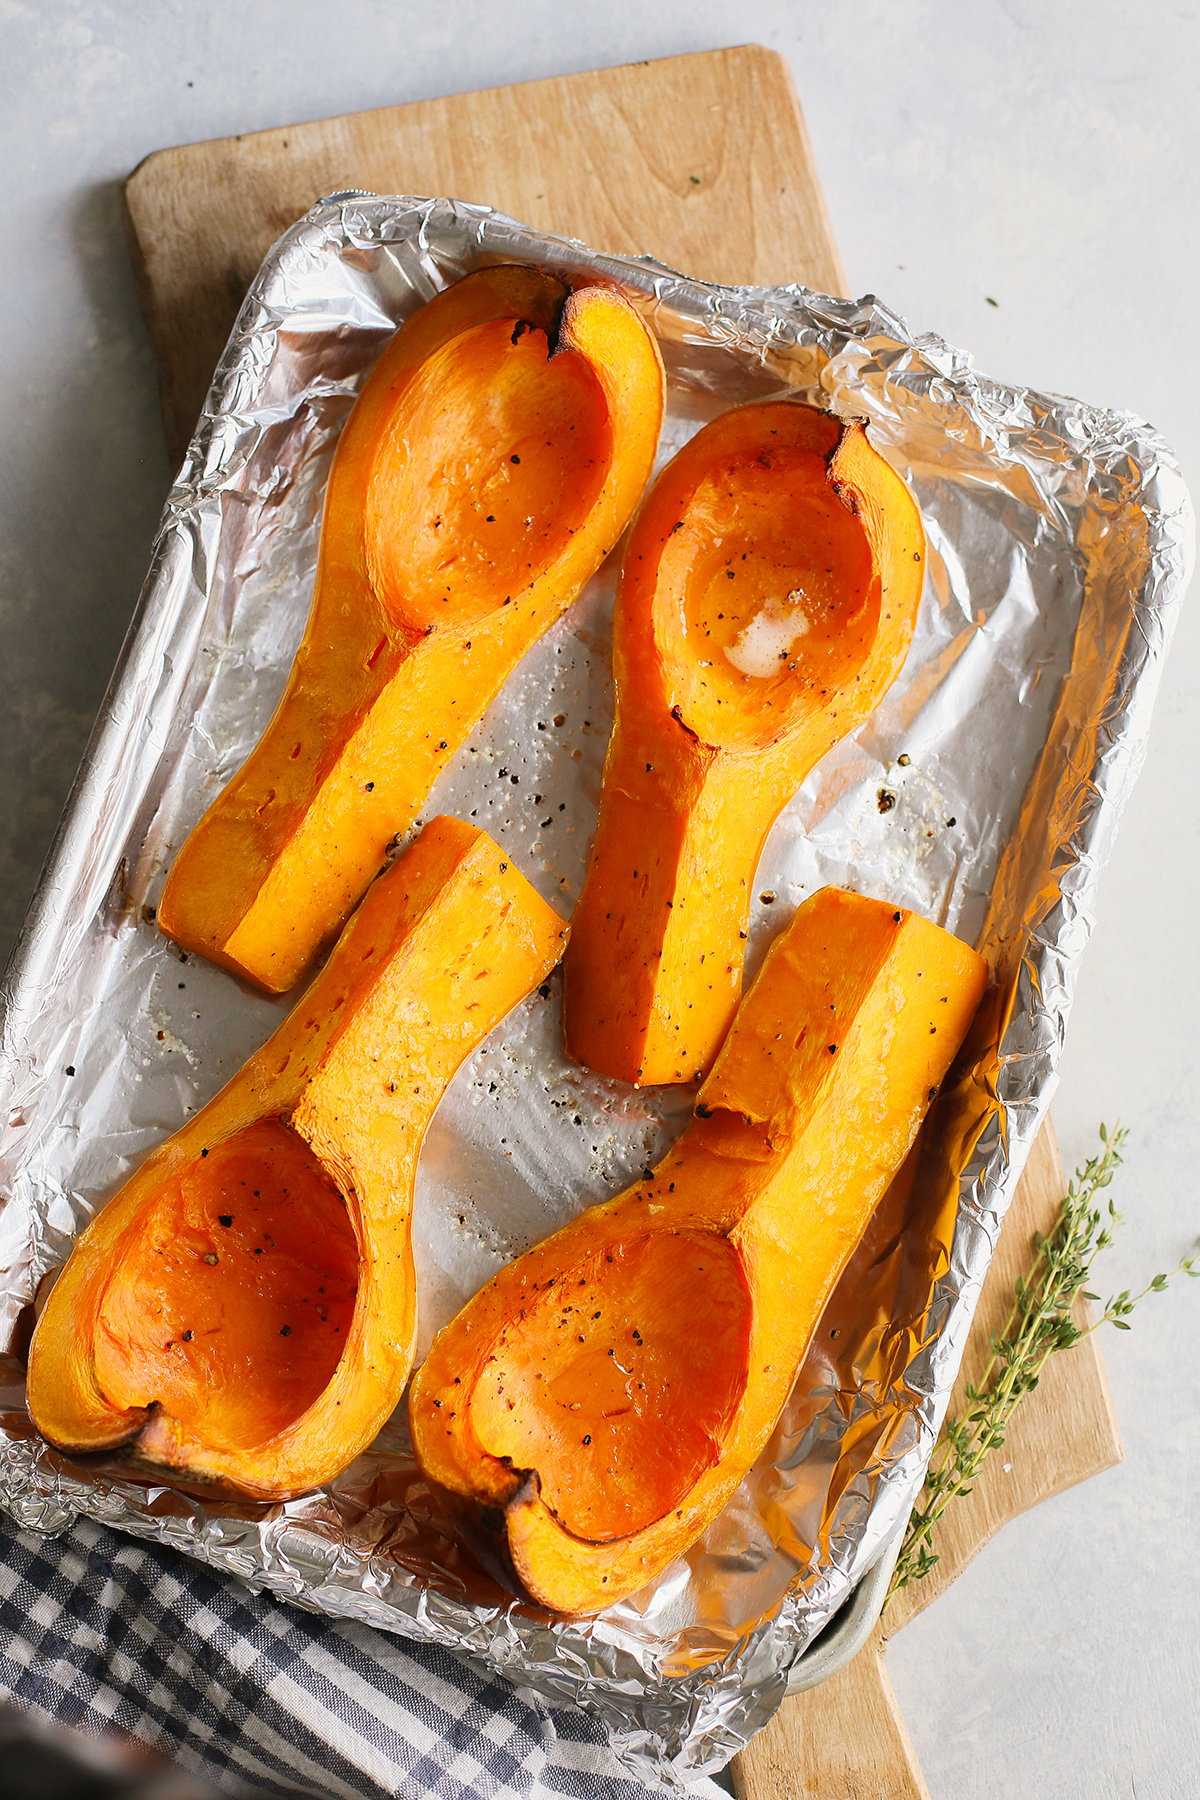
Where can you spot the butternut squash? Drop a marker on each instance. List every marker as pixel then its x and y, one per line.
pixel 597 1403
pixel 244 1309
pixel 766 603
pixel 490 464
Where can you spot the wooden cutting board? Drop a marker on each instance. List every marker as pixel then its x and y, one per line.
pixel 702 161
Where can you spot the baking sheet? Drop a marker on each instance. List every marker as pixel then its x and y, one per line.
pixel 984 792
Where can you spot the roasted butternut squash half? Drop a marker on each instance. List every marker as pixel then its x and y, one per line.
pixel 599 1401
pixel 245 1307
pixel 766 603
pixel 490 464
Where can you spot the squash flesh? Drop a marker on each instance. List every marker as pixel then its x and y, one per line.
pixel 250 1243
pixel 333 1108
pixel 766 603
pixel 620 1382
pixel 775 578
pixel 497 458
pixel 492 461
pixel 791 1149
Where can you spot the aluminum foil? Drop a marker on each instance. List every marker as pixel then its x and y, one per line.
pixel 985 793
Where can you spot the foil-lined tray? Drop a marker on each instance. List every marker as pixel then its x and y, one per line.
pixel 985 793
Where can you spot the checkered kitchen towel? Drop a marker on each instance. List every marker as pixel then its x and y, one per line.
pixel 103 1633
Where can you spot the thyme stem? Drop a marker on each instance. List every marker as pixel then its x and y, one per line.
pixel 1038 1325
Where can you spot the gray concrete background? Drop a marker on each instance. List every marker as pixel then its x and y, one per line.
pixel 1046 155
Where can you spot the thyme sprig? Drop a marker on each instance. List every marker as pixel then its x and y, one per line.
pixel 1039 1324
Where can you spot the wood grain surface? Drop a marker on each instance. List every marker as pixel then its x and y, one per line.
pixel 702 161
pixel 844 1740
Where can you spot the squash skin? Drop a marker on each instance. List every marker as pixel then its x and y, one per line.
pixel 703 756
pixel 812 1104
pixel 443 946
pixel 409 639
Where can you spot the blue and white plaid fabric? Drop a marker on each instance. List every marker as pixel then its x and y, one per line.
pixel 103 1633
